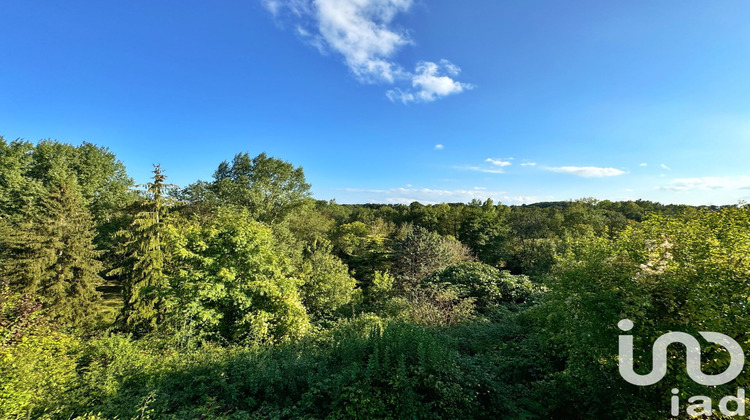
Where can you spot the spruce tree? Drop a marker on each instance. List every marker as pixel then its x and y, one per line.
pixel 145 286
pixel 50 253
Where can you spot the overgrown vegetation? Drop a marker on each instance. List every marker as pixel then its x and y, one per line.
pixel 242 297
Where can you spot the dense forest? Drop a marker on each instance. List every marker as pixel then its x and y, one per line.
pixel 242 297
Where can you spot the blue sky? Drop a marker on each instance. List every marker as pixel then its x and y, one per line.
pixel 529 101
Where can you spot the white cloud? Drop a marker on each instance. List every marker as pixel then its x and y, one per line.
pixel 643 164
pixel 429 82
pixel 363 33
pixel 273 6
pixel 663 166
pixel 707 183
pixel 587 171
pixel 495 166
pixel 528 164
pixel 359 30
pixel 435 196
pixel 439 147
pixel 479 169
pixel 499 162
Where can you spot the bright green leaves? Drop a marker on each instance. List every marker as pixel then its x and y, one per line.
pixel 268 187
pixel 685 273
pixel 328 286
pixel 232 285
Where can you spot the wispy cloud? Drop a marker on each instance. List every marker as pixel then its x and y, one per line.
pixel 499 162
pixel 435 196
pixel 587 171
pixel 479 169
pixel 707 183
pixel 663 166
pixel 363 34
pixel 643 164
pixel 439 147
pixel 495 166
pixel 528 164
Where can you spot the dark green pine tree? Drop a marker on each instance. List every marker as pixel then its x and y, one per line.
pixel 50 254
pixel 145 286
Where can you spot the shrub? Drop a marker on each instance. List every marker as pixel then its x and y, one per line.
pixel 487 285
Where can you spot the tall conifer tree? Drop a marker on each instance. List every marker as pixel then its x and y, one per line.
pixel 50 253
pixel 145 286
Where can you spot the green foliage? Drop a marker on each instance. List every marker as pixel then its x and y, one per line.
pixel 34 375
pixel 484 232
pixel 669 274
pixel 26 170
pixel 220 287
pixel 25 167
pixel 20 316
pixel 232 285
pixel 352 239
pixel 327 284
pixel 101 176
pixel 364 248
pixel 117 373
pixel 36 363
pixel 18 192
pixel 50 254
pixel 382 286
pixel 268 187
pixel 304 229
pixel 141 269
pixel 421 253
pixel 309 223
pixel 487 285
pixel 359 369
pixel 532 243
pixel 431 305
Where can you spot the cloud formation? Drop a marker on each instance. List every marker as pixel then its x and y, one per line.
pixel 499 162
pixel 430 81
pixel 587 171
pixel 363 34
pixel 528 164
pixel 435 196
pixel 707 183
pixel 479 169
pixel 495 166
pixel 439 147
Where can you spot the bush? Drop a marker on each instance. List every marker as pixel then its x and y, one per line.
pixel 485 284
pixel 36 375
pixel 362 368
